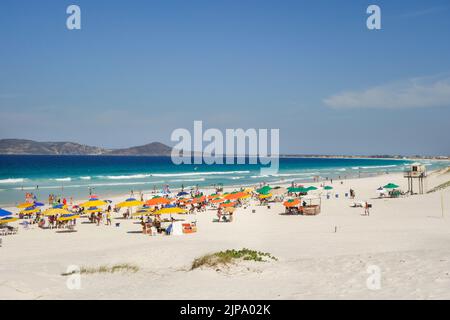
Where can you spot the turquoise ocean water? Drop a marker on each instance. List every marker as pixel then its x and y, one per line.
pixel 76 176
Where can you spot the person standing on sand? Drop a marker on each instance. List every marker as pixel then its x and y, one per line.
pixel 366 209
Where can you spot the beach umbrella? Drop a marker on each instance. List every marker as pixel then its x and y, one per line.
pixel 199 199
pixel 156 201
pixel 182 193
pixel 55 211
pixel 227 203
pixel 38 204
pixel 291 203
pixel 130 202
pixel 93 203
pixel 59 206
pixel 298 189
pixel 264 190
pixel 30 210
pixel 265 196
pixel 236 195
pixel 328 188
pixel 170 211
pixel 5 220
pixel 217 200
pixel 93 210
pixel 25 205
pixel 5 213
pixel 311 188
pixel 67 217
pixel 391 186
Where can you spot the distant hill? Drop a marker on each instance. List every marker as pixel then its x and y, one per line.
pixel 30 147
pixel 20 146
pixel 151 149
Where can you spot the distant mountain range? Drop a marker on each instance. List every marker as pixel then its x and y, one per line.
pixel 30 147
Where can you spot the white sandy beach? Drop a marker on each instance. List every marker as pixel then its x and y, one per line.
pixel 407 238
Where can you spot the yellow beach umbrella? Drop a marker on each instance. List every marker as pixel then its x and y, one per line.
pixel 68 217
pixel 54 212
pixel 25 205
pixel 93 210
pixel 131 202
pixel 31 211
pixel 170 210
pixel 93 203
pixel 264 196
pixel 8 219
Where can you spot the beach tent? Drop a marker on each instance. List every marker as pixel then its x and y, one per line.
pixel 391 186
pixel 5 220
pixel 5 213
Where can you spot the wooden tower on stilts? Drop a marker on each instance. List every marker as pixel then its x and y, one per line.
pixel 415 172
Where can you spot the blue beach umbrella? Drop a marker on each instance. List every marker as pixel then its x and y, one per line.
pixel 4 213
pixel 38 204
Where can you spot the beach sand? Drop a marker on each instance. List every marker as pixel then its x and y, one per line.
pixel 407 239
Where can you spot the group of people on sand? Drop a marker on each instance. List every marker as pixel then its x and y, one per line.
pixel 151 226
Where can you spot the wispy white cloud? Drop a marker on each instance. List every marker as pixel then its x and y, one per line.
pixel 422 92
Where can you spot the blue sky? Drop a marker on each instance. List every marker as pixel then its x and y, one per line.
pixel 137 70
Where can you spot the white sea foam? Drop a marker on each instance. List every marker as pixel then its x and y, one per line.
pixel 125 177
pixel 12 180
pixel 190 180
pixel 198 173
pixel 379 167
pixel 168 175
pixel 63 179
pixel 85 178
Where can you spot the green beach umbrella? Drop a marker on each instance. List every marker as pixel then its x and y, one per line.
pixel 311 188
pixel 264 190
pixel 328 188
pixel 298 189
pixel 391 186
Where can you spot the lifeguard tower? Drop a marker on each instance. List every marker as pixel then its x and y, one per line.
pixel 415 171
